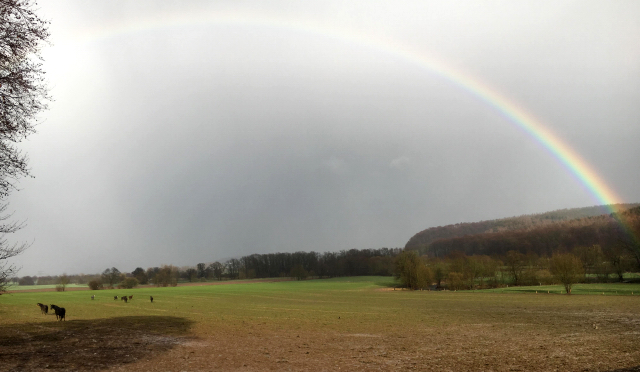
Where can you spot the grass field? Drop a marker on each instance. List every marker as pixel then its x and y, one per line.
pixel 332 324
pixel 43 286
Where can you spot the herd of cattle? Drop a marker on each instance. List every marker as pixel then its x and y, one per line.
pixel 61 311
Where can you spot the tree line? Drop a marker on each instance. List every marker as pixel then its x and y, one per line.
pixel 454 271
pixel 457 271
pixel 299 265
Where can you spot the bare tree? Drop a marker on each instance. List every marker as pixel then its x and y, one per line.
pixel 112 277
pixel 202 270
pixel 8 250
pixel 191 274
pixel 23 95
pixel 515 262
pixel 217 269
pixel 63 281
pixel 167 276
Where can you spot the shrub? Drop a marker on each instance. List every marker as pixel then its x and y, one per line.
pixel 95 285
pixel 412 272
pixel 298 272
pixel 455 281
pixel 167 276
pixel 129 283
pixel 567 269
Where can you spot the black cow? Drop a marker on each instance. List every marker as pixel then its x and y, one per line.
pixel 60 312
pixel 123 298
pixel 43 308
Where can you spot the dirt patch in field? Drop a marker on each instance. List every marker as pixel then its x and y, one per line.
pixel 451 349
pixel 88 345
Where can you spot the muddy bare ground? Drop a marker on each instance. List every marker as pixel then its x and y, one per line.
pixel 88 345
pixel 451 349
pixel 165 343
pixel 343 330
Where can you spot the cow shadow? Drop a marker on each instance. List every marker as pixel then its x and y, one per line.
pixel 89 344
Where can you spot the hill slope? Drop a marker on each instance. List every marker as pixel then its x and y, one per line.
pixel 422 240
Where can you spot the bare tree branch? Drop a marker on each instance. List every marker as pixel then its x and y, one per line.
pixel 23 95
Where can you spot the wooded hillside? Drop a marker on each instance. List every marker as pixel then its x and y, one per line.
pixel 539 233
pixel 422 240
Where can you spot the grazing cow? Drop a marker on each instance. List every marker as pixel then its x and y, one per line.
pixel 43 308
pixel 151 298
pixel 60 312
pixel 93 297
pixel 115 297
pixel 130 297
pixel 123 298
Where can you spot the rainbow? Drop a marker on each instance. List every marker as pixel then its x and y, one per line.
pixel 509 109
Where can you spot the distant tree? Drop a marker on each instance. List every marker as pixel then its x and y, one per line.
pixel 208 271
pixel 381 265
pixel 63 281
pixel 440 270
pixel 233 268
pixel 298 272
pixel 619 260
pixel 167 276
pixel 490 268
pixel 591 257
pixel 473 269
pixel 26 280
pixel 82 278
pixel 191 274
pixel 112 277
pixel 202 270
pixel 95 284
pixel 129 283
pixel 218 269
pixel 23 95
pixel 515 262
pixel 411 271
pixel 455 281
pixel 45 280
pixel 567 269
pixel 141 275
pixel 151 274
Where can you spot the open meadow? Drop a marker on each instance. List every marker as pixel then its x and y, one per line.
pixel 332 324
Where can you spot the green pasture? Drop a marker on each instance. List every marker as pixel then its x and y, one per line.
pixel 335 320
pixel 43 286
pixel 607 289
pixel 358 303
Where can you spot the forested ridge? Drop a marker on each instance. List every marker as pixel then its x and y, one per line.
pixel 542 232
pixel 609 231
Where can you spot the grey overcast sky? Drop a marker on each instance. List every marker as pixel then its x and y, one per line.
pixel 186 132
